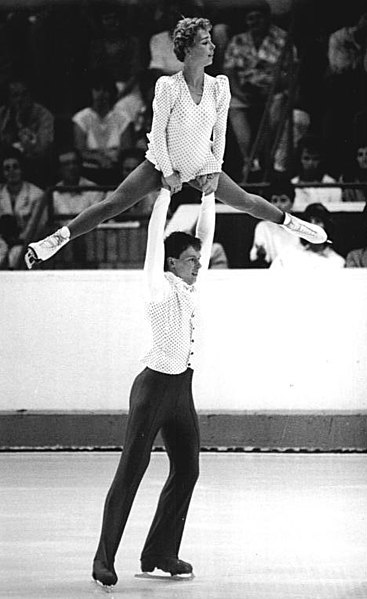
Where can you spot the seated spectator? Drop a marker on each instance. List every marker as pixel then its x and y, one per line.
pixel 18 201
pixel 101 131
pixel 357 173
pixel 358 258
pixel 113 47
pixel 250 63
pixel 162 58
pixel 310 169
pixel 70 203
pixel 345 87
pixel 136 106
pixel 271 240
pixel 308 256
pixel 28 126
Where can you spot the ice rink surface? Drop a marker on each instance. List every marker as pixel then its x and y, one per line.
pixel 260 526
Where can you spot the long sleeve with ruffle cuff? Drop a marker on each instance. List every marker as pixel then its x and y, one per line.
pixel 162 105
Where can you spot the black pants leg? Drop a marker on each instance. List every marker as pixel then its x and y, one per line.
pixel 153 400
pixel 181 437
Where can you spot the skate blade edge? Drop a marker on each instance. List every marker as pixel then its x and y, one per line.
pixel 167 577
pixel 102 587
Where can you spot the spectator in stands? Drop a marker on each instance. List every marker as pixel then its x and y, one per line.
pixel 357 173
pixel 114 48
pixel 70 203
pixel 101 131
pixel 28 126
pixel 309 256
pixel 270 240
pixel 311 169
pixel 347 51
pixel 345 86
pixel 162 57
pixel 358 258
pixel 250 63
pixel 136 106
pixel 18 202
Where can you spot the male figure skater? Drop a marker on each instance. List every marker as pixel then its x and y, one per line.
pixel 161 397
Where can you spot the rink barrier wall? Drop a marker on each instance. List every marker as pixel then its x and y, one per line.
pixel 247 431
pixel 282 361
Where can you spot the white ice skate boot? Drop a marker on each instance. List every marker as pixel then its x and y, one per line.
pixel 40 251
pixel 301 228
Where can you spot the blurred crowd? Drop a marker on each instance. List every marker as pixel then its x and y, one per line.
pixel 77 81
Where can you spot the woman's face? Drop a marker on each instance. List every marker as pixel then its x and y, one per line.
pixel 202 50
pixel 12 171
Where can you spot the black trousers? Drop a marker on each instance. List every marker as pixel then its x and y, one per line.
pixel 157 402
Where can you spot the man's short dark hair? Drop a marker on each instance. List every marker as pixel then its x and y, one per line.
pixel 178 242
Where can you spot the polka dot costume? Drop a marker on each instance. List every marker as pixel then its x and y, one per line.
pixel 172 323
pixel 170 301
pixel 188 137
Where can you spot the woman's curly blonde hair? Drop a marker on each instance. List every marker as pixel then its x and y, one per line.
pixel 185 32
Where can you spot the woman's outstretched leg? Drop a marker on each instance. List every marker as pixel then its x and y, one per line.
pixel 143 180
pixel 232 194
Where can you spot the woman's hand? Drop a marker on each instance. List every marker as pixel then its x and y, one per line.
pixel 173 182
pixel 208 183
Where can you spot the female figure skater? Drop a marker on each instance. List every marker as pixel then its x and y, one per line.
pixel 186 145
pixel 161 397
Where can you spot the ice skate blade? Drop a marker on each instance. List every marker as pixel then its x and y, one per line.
pixel 103 587
pixel 168 577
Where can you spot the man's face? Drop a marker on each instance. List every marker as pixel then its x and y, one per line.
pixel 187 266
